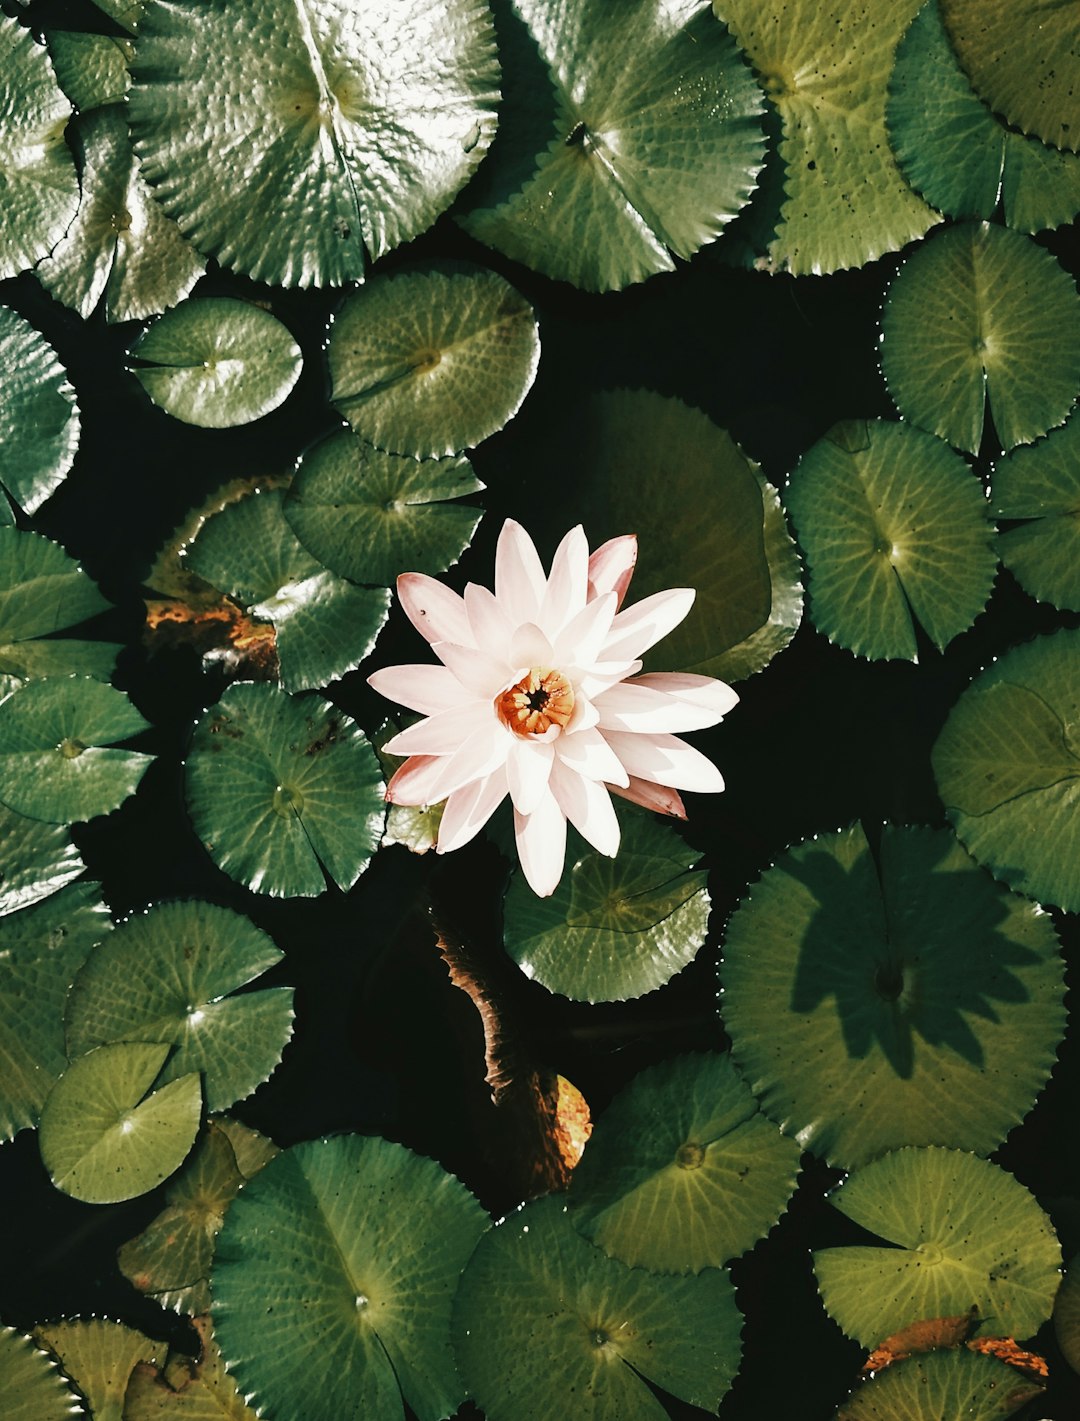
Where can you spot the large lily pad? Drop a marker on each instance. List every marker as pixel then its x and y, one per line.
pixel 360 1243
pixel 296 141
pixel 281 789
pixel 895 531
pixel 945 1383
pixel 629 135
pixel 30 1381
pixel 1041 483
pixel 39 420
pixel 982 315
pixel 92 69
pixel 1007 765
pixel 37 860
pixel 99 1356
pixel 855 1012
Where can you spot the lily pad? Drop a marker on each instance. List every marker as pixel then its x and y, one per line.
pixel 982 315
pixel 99 1356
pixel 360 1243
pixel 1067 1315
pixel 369 515
pixel 121 250
pixel 91 69
pixel 951 1382
pixel 104 1138
pixel 895 530
pixel 187 1389
pixel 628 136
pixel 39 188
pixel 542 1315
pixel 166 976
pixel 281 789
pixel 39 419
pixel 826 67
pixel 613 928
pixel 41 949
pixel 52 762
pixel 126 13
pixel 855 1011
pixel 682 1172
pixel 427 363
pixel 296 142
pixel 216 362
pixel 1007 765
pixel 30 1381
pixel 961 1232
pixel 1041 483
pixel 38 860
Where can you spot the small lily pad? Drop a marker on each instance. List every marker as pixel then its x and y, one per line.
pixel 30 1382
pixel 99 1356
pixel 38 860
pixel 952 1382
pixel 1041 483
pixel 39 420
pixel 92 69
pixel 186 1388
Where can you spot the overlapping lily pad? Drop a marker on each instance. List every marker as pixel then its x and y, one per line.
pixel 99 1356
pixel 1007 765
pixel 295 142
pixel 39 420
pixel 982 315
pixel 30 1382
pixel 38 859
pixel 360 1243
pixel 854 1009
pixel 896 532
pixel 430 362
pixel 682 1172
pixel 1041 484
pixel 282 789
pixel 628 136
pixel 91 69
pixel 613 928
pixel 1067 1314
pixel 945 1383
pixel 186 1388
pixel 962 1234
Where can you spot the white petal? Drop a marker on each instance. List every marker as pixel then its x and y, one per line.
pixel 519 574
pixel 568 584
pixel 530 647
pixel 417 781
pixel 629 705
pixel 704 691
pixel 445 732
pixel 482 754
pixel 482 675
pixel 666 760
pixel 427 689
pixel 468 809
pixel 642 625
pixel 541 845
pixel 587 753
pixel 491 628
pixel 584 715
pixel 656 797
pixel 588 807
pixel 612 566
pixel 579 642
pixel 437 613
pixel 528 768
pixel 602 674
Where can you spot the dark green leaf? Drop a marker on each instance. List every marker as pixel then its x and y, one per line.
pixel 39 420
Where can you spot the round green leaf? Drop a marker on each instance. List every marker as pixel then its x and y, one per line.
pixel 121 249
pixel 30 1383
pixel 360 1244
pixel 38 859
pixel 895 530
pixel 613 928
pixel 1007 765
pixel 52 766
pixel 281 789
pixel 39 420
pixel 982 315
pixel 41 949
pixel 166 976
pixel 954 151
pixel 854 1009
pixel 99 1356
pixel 682 1172
pixel 628 134
pixel 369 515
pixel 1067 1315
pixel 429 362
pixel 964 1234
pixel 39 188
pixel 952 1382
pixel 826 66
pixel 1023 57
pixel 286 138
pixel 542 1316
pixel 92 69
pixel 103 1138
pixel 1041 483
pixel 216 362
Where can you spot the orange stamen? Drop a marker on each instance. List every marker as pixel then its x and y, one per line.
pixel 541 699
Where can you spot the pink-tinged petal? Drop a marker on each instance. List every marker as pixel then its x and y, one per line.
pixel 528 769
pixel 584 715
pixel 612 566
pixel 588 807
pixel 530 647
pixel 588 753
pixel 665 760
pixel 443 734
pixel 579 642
pixel 631 706
pixel 646 622
pixel 650 796
pixel 568 583
pixel 437 613
pixel 541 845
pixel 427 689
pixel 602 674
pixel 482 675
pixel 491 628
pixel 416 781
pixel 704 691
pixel 468 809
pixel 519 574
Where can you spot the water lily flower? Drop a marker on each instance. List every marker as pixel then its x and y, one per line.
pixel 538 696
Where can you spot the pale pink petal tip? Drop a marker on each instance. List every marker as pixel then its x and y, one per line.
pixel 436 612
pixel 659 798
pixel 611 567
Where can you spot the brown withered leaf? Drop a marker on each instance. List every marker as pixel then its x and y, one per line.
pixel 220 633
pixel 923 1336
pixel 186 1389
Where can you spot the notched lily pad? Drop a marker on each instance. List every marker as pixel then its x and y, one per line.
pixel 92 69
pixel 186 1388
pixel 39 419
pixel 38 859
pixel 99 1356
pixel 31 1384
pixel 945 1383
pixel 1041 484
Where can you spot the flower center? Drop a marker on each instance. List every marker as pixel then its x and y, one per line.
pixel 541 699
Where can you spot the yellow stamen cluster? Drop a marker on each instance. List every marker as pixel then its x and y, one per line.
pixel 541 699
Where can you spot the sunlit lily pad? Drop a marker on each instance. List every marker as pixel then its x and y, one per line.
pixel 360 1243
pixel 187 1388
pixel 39 189
pixel 91 69
pixel 542 1315
pixel 903 998
pixel 104 1138
pixel 629 135
pixel 216 362
pixel 296 142
pixel 682 1172
pixel 99 1356
pixel 1007 765
pixel 962 1234
pixel 30 1382
pixel 370 516
pixel 982 315
pixel 39 420
pixel 1041 483
pixel 38 859
pixel 282 789
pixel 430 362
pixel 953 1382
pixel 613 928
pixel 895 530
